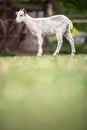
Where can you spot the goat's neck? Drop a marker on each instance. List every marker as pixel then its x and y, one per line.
pixel 28 21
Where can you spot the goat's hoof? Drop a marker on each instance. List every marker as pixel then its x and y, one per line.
pixel 73 54
pixel 55 54
pixel 38 54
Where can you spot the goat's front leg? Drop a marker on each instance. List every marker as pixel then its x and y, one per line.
pixel 40 43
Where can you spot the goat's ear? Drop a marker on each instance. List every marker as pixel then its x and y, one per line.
pixel 24 10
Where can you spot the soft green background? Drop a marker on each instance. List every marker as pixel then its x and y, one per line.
pixel 43 93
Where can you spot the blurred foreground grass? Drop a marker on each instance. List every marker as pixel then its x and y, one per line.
pixel 43 93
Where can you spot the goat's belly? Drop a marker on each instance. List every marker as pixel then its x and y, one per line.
pixel 47 33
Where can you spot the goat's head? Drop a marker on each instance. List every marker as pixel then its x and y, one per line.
pixel 21 14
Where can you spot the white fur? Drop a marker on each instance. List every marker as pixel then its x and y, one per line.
pixel 59 25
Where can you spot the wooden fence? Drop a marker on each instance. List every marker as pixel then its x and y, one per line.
pixel 79 20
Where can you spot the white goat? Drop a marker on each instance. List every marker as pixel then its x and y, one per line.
pixel 40 27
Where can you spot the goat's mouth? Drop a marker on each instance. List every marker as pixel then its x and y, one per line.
pixel 16 21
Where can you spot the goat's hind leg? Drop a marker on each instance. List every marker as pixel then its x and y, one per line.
pixel 59 40
pixel 71 40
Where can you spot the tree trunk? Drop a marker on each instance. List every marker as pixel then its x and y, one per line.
pixel 56 6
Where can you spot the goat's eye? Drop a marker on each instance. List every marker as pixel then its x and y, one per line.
pixel 21 15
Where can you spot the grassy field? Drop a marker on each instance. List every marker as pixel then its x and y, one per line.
pixel 43 93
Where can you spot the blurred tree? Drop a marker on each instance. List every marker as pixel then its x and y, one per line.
pixel 56 6
pixel 69 6
pixel 74 6
pixel 53 2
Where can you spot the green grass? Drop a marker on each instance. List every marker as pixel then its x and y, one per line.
pixel 43 93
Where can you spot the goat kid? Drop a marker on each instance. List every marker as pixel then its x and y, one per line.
pixel 59 25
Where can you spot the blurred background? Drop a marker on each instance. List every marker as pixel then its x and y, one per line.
pixel 16 39
pixel 42 93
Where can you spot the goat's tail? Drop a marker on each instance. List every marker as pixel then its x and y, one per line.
pixel 70 25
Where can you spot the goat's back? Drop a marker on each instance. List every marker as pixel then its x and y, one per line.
pixel 57 18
